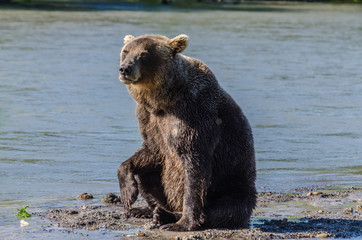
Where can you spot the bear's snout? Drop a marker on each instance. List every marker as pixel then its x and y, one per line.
pixel 128 74
pixel 126 70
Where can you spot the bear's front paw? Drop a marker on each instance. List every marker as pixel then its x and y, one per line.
pixel 180 227
pixel 129 196
pixel 174 227
pixel 177 227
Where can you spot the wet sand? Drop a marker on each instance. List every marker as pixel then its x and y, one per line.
pixel 304 213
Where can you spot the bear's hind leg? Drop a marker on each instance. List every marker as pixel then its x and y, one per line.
pixel 229 212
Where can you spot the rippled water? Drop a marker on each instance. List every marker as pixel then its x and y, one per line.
pixel 66 122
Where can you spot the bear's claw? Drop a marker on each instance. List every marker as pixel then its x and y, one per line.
pixel 175 227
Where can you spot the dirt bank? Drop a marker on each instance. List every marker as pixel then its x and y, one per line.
pixel 305 213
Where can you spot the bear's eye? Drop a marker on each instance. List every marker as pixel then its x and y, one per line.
pixel 123 55
pixel 143 55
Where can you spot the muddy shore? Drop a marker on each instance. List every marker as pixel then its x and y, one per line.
pixel 304 213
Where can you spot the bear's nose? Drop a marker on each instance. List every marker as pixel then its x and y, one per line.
pixel 125 70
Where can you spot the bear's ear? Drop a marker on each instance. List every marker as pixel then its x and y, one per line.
pixel 128 38
pixel 179 43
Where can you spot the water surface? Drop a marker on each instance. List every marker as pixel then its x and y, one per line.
pixel 66 122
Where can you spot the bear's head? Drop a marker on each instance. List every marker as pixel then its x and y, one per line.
pixel 146 58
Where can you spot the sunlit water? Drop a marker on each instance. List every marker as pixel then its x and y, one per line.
pixel 66 122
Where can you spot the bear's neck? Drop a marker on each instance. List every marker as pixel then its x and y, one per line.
pixel 153 100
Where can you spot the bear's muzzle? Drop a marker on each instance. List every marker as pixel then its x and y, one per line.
pixel 126 74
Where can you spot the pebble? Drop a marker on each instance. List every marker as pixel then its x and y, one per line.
pixel 150 226
pixel 187 238
pixel 140 233
pixel 111 198
pixel 348 210
pixel 314 193
pixel 74 212
pixel 322 235
pixel 359 207
pixel 85 196
pixel 23 223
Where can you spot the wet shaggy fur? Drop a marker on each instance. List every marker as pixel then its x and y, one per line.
pixel 196 166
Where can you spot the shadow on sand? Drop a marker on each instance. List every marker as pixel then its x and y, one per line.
pixel 309 227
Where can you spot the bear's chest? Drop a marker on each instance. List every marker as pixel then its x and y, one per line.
pixel 169 130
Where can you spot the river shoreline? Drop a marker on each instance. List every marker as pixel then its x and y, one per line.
pixel 305 213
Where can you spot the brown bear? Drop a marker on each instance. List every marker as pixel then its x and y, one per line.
pixel 196 166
